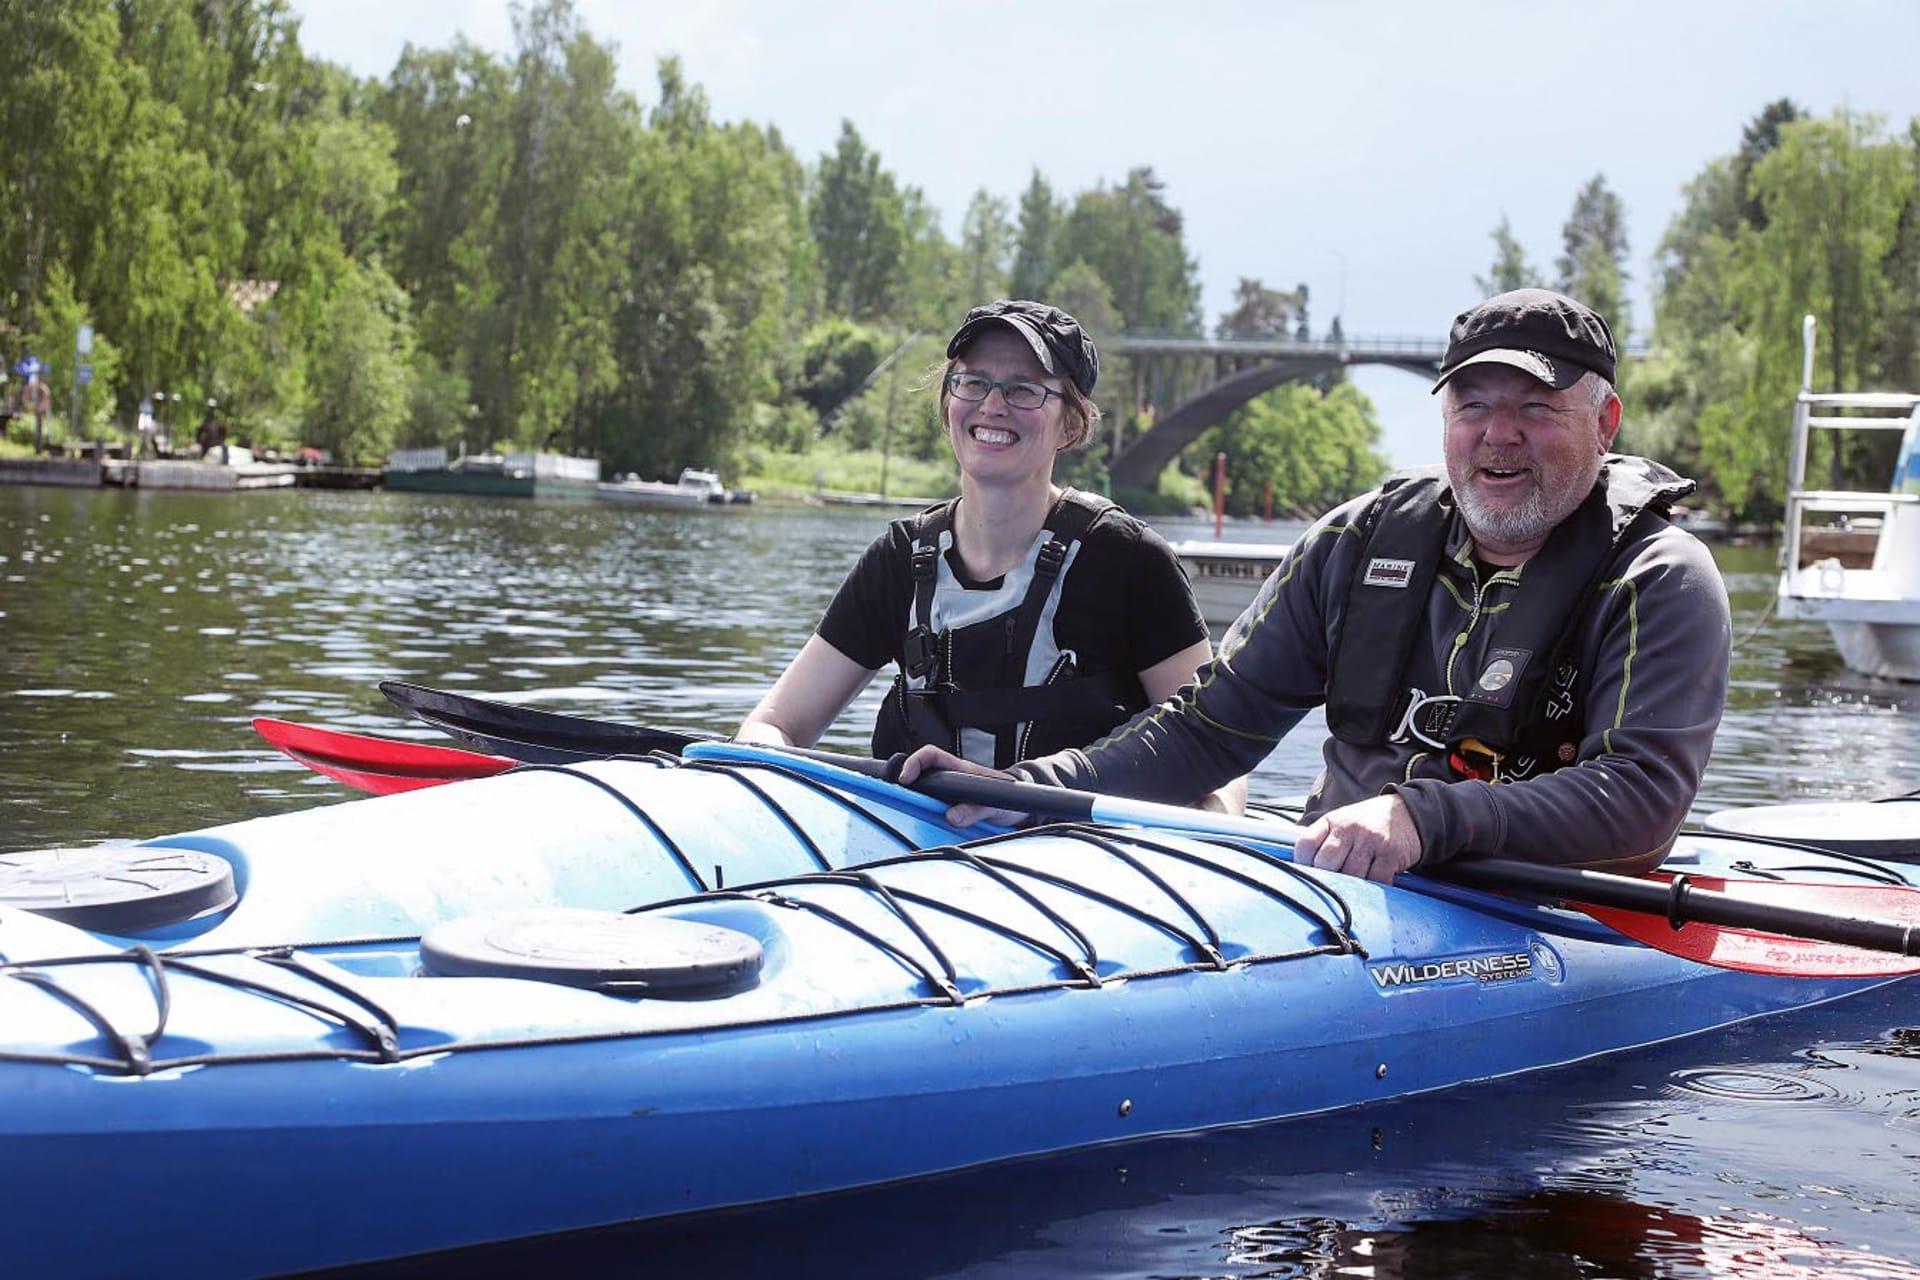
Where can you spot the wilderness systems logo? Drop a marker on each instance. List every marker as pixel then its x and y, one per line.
pixel 1504 967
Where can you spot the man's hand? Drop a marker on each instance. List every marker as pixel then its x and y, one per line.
pixel 927 759
pixel 1375 839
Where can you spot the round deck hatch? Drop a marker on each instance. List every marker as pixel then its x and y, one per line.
pixel 1871 829
pixel 602 950
pixel 117 888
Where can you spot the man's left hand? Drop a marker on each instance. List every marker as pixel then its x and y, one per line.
pixel 1375 839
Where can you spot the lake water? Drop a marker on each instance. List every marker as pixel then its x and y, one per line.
pixel 141 632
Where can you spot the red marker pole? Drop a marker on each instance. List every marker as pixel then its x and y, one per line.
pixel 1219 492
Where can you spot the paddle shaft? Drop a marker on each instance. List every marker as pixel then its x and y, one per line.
pixel 1679 900
pixel 1682 902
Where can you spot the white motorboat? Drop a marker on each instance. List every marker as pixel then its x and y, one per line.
pixel 694 489
pixel 1226 575
pixel 1851 558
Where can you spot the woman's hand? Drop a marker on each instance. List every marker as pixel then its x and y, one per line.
pixel 927 759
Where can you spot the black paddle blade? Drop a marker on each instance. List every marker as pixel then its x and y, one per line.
pixel 525 734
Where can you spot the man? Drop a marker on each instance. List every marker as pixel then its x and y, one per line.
pixel 39 402
pixel 1519 655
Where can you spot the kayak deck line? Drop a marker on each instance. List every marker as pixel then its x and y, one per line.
pixel 1062 922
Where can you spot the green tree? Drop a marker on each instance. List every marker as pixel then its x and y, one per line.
pixel 986 243
pixel 543 338
pixel 64 103
pixel 1899 330
pixel 1033 257
pixel 701 308
pixel 447 111
pixel 1263 314
pixel 1761 136
pixel 1510 270
pixel 361 367
pixel 1831 194
pixel 1134 240
pixel 858 221
pixel 1081 293
pixel 1315 449
pixel 837 356
pixel 930 288
pixel 1593 259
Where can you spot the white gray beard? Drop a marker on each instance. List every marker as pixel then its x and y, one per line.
pixel 1529 522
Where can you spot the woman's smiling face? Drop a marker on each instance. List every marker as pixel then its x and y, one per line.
pixel 990 439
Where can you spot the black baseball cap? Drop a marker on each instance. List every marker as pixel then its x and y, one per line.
pixel 1062 347
pixel 1544 334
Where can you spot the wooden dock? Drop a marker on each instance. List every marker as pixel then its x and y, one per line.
pixel 180 473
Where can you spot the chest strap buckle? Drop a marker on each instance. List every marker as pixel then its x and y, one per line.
pixel 921 649
pixel 1427 719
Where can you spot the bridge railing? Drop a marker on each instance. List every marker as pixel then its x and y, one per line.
pixel 1172 344
pixel 1178 345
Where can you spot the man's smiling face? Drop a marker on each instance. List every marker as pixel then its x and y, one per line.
pixel 1521 455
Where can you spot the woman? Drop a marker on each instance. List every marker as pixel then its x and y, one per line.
pixel 1024 617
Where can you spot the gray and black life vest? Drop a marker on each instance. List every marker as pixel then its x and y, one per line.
pixel 1521 703
pixel 983 674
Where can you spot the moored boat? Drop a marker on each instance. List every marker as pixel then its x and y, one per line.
pixel 694 488
pixel 509 475
pixel 1227 575
pixel 722 980
pixel 1851 558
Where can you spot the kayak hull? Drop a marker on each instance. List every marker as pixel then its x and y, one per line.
pixel 315 1096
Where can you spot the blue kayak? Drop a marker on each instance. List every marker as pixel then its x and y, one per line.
pixel 566 997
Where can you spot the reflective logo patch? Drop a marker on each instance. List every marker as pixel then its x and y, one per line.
pixel 1504 967
pixel 1500 678
pixel 1382 572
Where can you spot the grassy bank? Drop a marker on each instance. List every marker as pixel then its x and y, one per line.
pixel 794 477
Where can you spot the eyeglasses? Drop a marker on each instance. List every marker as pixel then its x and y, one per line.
pixel 974 387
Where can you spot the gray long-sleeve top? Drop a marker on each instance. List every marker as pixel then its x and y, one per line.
pixel 1654 651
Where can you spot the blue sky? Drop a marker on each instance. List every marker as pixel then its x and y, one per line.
pixel 1367 150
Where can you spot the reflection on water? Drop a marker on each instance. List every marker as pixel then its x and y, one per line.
pixel 143 631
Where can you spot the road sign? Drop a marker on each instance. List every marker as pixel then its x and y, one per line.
pixel 83 375
pixel 83 341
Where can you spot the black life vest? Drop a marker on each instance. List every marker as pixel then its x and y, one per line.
pixel 982 673
pixel 1520 703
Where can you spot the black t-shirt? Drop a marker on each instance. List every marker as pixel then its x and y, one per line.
pixel 1125 605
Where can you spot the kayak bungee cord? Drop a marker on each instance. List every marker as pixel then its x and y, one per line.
pixel 887 882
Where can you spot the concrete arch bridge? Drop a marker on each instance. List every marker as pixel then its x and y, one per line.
pixel 1198 381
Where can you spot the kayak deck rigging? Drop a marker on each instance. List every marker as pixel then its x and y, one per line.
pixel 1061 921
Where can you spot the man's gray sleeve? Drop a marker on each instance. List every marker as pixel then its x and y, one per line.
pixel 1271 670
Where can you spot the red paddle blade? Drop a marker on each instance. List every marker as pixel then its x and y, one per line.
pixel 381 766
pixel 1757 951
pixel 378 784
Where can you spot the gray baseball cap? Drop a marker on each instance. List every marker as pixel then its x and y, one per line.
pixel 1059 343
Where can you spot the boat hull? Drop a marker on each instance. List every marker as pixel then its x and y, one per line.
pixel 487 484
pixel 651 493
pixel 1874 626
pixel 1227 575
pixel 918 1008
